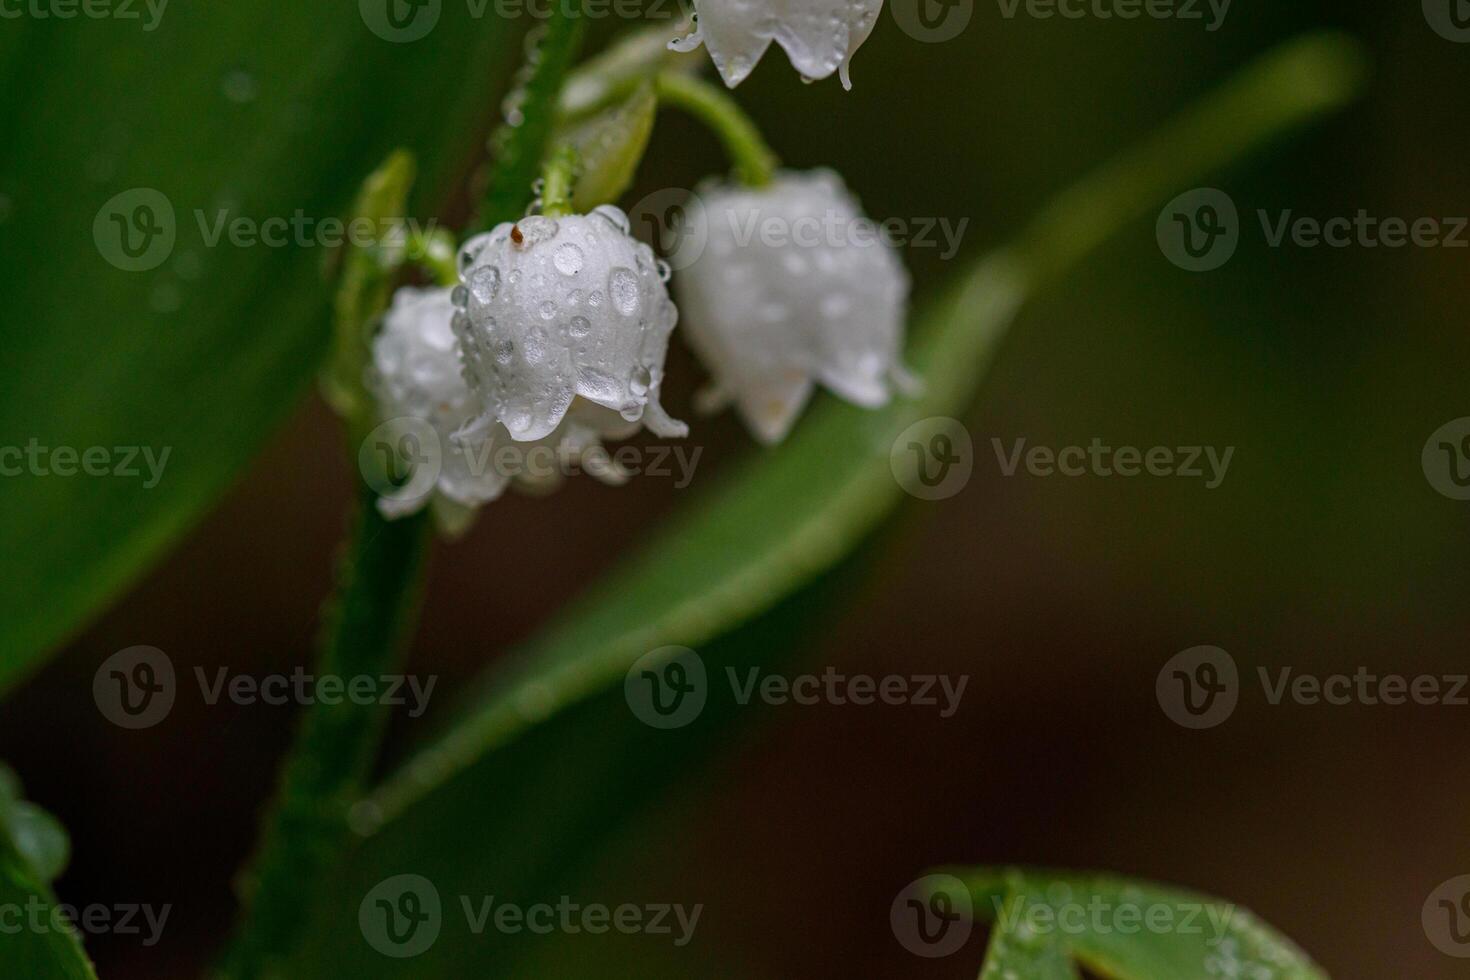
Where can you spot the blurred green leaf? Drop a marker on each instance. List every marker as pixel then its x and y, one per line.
pixel 1121 928
pixel 33 849
pixel 289 105
pixel 609 147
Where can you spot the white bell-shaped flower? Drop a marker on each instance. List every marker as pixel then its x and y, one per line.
pixel 819 36
pixel 565 315
pixel 794 286
pixel 425 404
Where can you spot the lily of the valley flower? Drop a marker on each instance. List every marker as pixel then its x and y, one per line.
pixel 794 287
pixel 565 318
pixel 418 375
pixel 819 36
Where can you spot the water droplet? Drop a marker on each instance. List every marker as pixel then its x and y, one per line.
pixel 239 86
pixel 641 379
pixel 514 277
pixel 568 259
pixel 594 299
pixel 459 296
pixel 665 271
pixel 535 345
pixel 613 216
pixel 470 251
pixel 365 817
pixel 504 350
pixel 547 309
pixel 535 229
pixel 631 413
pixel 517 419
pixel 484 283
pixel 579 326
pixel 622 286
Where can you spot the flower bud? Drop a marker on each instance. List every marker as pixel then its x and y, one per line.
pixel 794 287
pixel 819 36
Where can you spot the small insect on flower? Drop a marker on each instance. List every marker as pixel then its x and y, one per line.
pixel 418 380
pixel 819 36
pixel 794 287
pixel 565 319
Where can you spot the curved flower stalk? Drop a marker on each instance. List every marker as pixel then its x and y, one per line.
pixel 565 321
pixel 795 287
pixel 819 36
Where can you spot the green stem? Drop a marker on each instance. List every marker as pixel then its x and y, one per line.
pixel 557 180
pixel 520 142
pixel 754 162
pixel 336 745
pixel 435 252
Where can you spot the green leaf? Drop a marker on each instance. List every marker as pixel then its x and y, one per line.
pixel 789 514
pixel 288 108
pixel 44 947
pixel 1123 929
pixel 609 146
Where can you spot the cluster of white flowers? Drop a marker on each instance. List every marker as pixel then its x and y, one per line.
pixel 557 335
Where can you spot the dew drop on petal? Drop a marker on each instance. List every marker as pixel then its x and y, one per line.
pixel 622 286
pixel 458 296
pixel 641 379
pixel 579 326
pixel 547 309
pixel 594 299
pixel 484 283
pixel 568 259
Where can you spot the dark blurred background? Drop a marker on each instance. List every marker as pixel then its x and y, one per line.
pixel 1325 549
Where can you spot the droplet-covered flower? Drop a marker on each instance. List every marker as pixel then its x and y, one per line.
pixel 794 287
pixel 819 36
pixel 433 423
pixel 561 315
